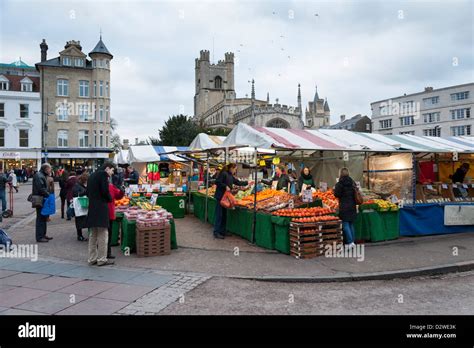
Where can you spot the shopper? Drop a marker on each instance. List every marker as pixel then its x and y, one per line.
pixel 345 191
pixel 293 181
pixel 63 191
pixel 13 180
pixel 40 188
pixel 133 176
pixel 282 179
pixel 4 180
pixel 70 183
pixel 116 193
pixel 305 178
pixel 98 214
pixel 460 174
pixel 224 183
pixel 118 178
pixel 80 190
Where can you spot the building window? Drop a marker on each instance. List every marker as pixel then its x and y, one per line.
pixel 458 114
pixel 95 88
pixel 67 61
pixel 95 138
pixel 278 123
pixel 24 108
pixel 407 107
pixel 79 62
pixel 432 132
pixel 2 137
pixel 218 82
pixel 461 130
pixel 4 83
pixel 26 87
pixel 84 88
pixel 107 114
pixel 2 109
pixel 23 137
pixel 408 132
pixel 94 63
pixel 63 88
pixel 101 113
pixel 430 101
pixel 431 117
pixel 407 121
pixel 460 96
pixel 62 112
pixel 83 112
pixel 83 138
pixel 107 89
pixel 384 124
pixel 107 139
pixel 107 62
pixel 62 138
pixel 101 138
pixel 101 88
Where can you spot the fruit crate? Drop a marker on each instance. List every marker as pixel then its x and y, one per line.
pixel 153 241
pixel 308 239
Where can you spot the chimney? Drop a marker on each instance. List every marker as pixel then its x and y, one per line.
pixel 343 118
pixel 428 89
pixel 44 51
pixel 125 144
pixel 136 141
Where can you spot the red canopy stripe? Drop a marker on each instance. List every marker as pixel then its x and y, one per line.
pixel 276 137
pixel 323 143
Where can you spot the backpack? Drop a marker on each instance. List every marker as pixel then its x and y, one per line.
pixel 5 239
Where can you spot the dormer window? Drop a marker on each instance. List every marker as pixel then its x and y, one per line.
pixel 26 85
pixel 94 63
pixel 79 62
pixel 4 83
pixel 67 61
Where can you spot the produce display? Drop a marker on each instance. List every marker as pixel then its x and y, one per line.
pixel 265 194
pixel 379 205
pixel 304 212
pixel 317 219
pixel 327 197
pixel 210 191
pixel 125 201
pixel 159 219
pixel 368 194
pixel 384 186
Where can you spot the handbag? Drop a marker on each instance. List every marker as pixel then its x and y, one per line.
pixel 36 201
pixel 228 200
pixel 358 196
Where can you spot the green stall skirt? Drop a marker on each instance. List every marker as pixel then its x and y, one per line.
pixel 265 231
pixel 282 236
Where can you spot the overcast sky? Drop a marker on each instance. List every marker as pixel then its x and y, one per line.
pixel 356 52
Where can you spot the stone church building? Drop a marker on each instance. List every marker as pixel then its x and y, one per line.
pixel 216 104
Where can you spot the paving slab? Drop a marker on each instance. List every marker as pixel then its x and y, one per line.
pixel 21 279
pixel 94 306
pixel 4 288
pixel 17 296
pixel 149 279
pixel 14 311
pixel 53 283
pixel 25 266
pixel 105 273
pixel 56 268
pixel 51 303
pixel 3 309
pixel 125 292
pixel 87 288
pixel 5 273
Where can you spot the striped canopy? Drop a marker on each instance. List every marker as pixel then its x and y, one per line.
pixel 204 141
pixel 165 155
pixel 342 140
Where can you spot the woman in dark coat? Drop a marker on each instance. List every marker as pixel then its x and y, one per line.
pixel 345 192
pixel 305 178
pixel 98 214
pixel 224 182
pixel 80 190
pixel 63 191
pixel 70 183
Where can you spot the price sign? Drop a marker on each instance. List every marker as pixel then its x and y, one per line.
pixel 323 186
pixel 455 186
pixel 401 203
pixel 465 186
pixel 358 184
pixel 393 199
pixel 444 186
pixel 153 199
pixel 455 156
pixel 307 196
pixel 429 187
pixel 345 156
pixel 472 185
pixel 291 204
pixel 134 188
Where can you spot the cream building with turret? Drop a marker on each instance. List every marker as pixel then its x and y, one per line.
pixel 75 95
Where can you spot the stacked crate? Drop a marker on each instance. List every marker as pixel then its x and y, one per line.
pixel 308 239
pixel 153 241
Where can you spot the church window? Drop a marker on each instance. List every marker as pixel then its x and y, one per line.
pixel 277 123
pixel 218 82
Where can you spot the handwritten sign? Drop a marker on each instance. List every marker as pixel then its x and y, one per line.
pixel 323 186
pixel 429 187
pixel 455 186
pixel 307 196
pixel 444 186
pixel 458 215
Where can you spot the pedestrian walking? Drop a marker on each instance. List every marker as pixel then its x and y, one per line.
pixel 63 191
pixel 98 214
pixel 13 180
pixel 224 183
pixel 80 190
pixel 4 180
pixel 40 188
pixel 116 193
pixel 70 183
pixel 345 191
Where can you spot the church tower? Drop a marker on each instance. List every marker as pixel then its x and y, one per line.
pixel 213 82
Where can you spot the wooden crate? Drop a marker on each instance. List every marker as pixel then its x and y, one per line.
pixel 153 241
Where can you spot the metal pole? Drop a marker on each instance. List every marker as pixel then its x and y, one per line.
pixel 414 176
pixel 207 188
pixel 255 198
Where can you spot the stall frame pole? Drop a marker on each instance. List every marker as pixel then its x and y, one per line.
pixel 254 225
pixel 207 188
pixel 413 178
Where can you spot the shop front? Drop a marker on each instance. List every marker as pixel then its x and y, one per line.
pixel 17 159
pixel 77 159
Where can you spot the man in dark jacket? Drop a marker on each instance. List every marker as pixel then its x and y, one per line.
pixel 133 176
pixel 98 214
pixel 40 188
pixel 224 182
pixel 345 192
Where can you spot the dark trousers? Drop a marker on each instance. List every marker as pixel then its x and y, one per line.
pixel 109 240
pixel 63 203
pixel 40 225
pixel 69 217
pixel 221 220
pixel 3 199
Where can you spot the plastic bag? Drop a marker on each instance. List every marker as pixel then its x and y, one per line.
pixel 228 200
pixel 79 209
pixel 49 206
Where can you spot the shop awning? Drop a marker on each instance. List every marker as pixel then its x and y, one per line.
pixel 121 157
pixel 142 154
pixel 342 140
pixel 165 153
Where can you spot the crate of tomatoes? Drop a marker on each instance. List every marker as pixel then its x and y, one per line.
pixel 304 212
